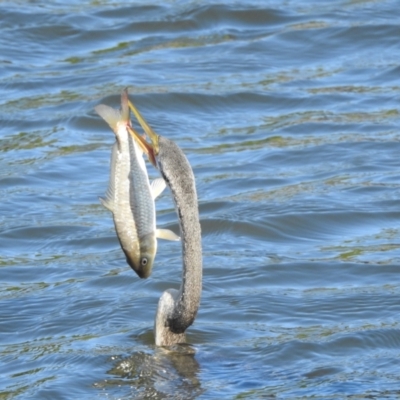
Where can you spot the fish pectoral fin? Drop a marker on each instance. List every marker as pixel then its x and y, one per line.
pixel 157 187
pixel 166 234
pixel 106 203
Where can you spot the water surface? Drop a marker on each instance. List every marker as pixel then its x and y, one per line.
pixel 288 113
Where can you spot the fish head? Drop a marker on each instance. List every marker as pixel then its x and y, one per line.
pixel 142 264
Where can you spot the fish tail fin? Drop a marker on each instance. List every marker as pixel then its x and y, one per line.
pixel 112 116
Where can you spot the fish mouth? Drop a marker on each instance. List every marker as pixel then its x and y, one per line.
pixel 150 149
pixel 141 272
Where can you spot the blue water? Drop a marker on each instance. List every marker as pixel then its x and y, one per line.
pixel 289 115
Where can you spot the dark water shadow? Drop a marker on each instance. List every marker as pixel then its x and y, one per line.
pixel 155 373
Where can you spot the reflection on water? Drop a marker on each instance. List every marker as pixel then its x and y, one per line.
pixel 167 374
pixel 288 113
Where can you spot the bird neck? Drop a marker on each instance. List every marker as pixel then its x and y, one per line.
pixel 190 290
pixel 178 175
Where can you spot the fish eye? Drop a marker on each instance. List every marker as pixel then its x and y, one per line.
pixel 143 261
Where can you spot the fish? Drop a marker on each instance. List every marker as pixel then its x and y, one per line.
pixel 130 196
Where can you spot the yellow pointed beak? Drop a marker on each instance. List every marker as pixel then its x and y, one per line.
pixel 149 132
pixel 146 147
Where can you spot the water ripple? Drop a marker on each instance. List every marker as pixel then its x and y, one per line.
pixel 288 113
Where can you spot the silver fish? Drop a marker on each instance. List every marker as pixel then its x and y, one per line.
pixel 130 197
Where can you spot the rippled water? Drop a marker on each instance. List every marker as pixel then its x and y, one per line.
pixel 289 114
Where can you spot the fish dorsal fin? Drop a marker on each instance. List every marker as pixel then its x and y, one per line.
pixel 166 234
pixel 157 187
pixel 109 114
pixel 108 200
pixel 106 203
